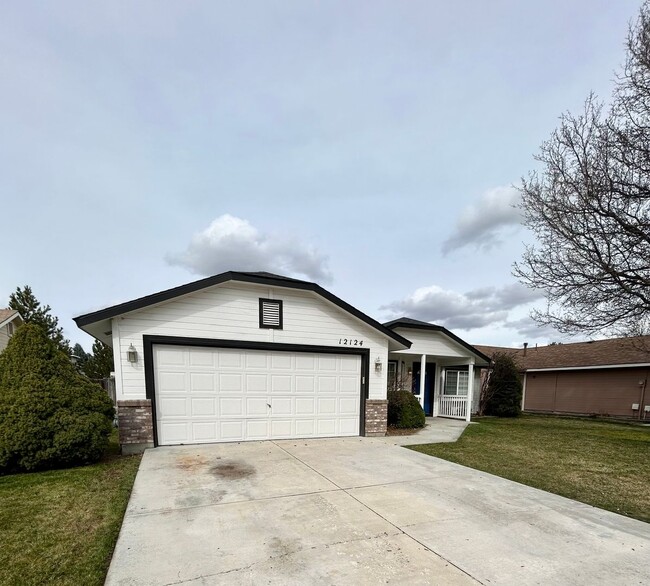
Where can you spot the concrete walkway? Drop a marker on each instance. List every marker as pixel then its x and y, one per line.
pixel 358 511
pixel 437 430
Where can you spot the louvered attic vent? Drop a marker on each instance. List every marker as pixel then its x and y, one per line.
pixel 271 313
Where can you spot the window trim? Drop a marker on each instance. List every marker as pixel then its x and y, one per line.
pixel 458 373
pixel 277 302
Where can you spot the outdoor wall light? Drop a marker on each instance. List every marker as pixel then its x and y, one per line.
pixel 378 364
pixel 132 354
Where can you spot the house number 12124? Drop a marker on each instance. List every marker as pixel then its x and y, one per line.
pixel 350 342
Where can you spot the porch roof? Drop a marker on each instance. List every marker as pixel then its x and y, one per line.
pixel 414 324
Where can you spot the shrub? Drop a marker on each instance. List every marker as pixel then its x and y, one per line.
pixel 504 389
pixel 404 410
pixel 51 416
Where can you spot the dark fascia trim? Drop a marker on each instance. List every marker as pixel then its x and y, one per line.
pixel 142 302
pixel 433 327
pixel 149 380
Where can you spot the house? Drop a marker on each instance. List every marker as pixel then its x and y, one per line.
pixel 601 377
pixel 9 320
pixel 251 356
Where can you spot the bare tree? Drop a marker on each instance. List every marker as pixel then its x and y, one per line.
pixel 589 208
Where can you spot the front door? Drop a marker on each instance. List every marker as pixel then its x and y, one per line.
pixel 429 384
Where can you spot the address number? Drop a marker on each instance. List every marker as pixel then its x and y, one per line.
pixel 350 342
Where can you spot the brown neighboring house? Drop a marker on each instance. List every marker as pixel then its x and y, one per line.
pixel 601 377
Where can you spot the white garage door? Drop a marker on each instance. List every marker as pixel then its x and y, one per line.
pixel 222 395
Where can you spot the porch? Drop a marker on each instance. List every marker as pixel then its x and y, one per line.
pixel 439 368
pixel 444 387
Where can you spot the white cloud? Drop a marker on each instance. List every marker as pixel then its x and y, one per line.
pixel 482 223
pixel 231 243
pixel 467 311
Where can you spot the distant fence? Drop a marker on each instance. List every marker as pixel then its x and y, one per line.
pixel 108 384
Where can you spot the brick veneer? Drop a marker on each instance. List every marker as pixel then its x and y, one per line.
pixel 376 417
pixel 135 425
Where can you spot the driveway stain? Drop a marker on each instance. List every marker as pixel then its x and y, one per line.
pixel 232 470
pixel 191 462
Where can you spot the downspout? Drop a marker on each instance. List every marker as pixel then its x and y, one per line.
pixel 642 403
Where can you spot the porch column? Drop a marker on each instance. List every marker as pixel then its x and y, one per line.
pixel 470 391
pixel 437 389
pixel 423 376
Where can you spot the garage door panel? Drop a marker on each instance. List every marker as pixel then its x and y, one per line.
pixel 326 406
pixel 230 383
pixel 305 406
pixel 171 382
pixel 257 429
pixel 202 407
pixel 281 428
pixel 326 427
pixel 211 395
pixel 173 406
pixel 231 406
pixel 202 382
pixel 230 359
pixel 257 383
pixel 170 356
pixel 348 406
pixel 281 361
pixel 349 384
pixel 202 357
pixel 257 360
pixel 256 406
pixel 281 406
pixel 204 431
pixel 231 431
pixel 280 383
pixel 305 384
pixel 326 384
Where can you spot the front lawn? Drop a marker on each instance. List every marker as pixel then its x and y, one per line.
pixel 60 526
pixel 600 463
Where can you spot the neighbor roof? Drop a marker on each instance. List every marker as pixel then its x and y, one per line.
pixel 261 278
pixel 8 315
pixel 407 322
pixel 615 351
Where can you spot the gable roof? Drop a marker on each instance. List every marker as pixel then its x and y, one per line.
pixel 407 322
pixel 8 315
pixel 612 352
pixel 260 278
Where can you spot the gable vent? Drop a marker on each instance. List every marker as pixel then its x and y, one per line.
pixel 271 313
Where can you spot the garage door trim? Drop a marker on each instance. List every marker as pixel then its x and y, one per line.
pixel 149 341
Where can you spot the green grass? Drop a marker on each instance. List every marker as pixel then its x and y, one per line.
pixel 600 463
pixel 60 526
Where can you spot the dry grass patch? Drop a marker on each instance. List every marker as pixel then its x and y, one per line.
pixel 60 526
pixel 599 463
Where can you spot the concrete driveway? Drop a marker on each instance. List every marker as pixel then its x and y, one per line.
pixel 358 511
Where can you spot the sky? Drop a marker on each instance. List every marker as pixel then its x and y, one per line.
pixel 373 147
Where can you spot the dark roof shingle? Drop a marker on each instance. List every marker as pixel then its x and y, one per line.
pixel 615 351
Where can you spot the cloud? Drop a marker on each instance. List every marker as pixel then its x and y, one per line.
pixel 467 311
pixel 482 223
pixel 231 243
pixel 529 328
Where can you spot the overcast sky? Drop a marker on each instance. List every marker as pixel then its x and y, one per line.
pixel 369 146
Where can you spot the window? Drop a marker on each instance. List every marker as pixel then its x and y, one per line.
pixel 456 382
pixel 10 329
pixel 271 314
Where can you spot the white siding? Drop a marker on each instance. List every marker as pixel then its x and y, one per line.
pixel 431 343
pixel 4 338
pixel 231 312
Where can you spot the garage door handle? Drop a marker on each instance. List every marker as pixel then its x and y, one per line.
pixel 268 405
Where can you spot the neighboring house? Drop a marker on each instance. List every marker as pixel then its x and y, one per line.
pixel 602 377
pixel 9 320
pixel 253 356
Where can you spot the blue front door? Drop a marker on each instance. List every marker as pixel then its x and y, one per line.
pixel 429 384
